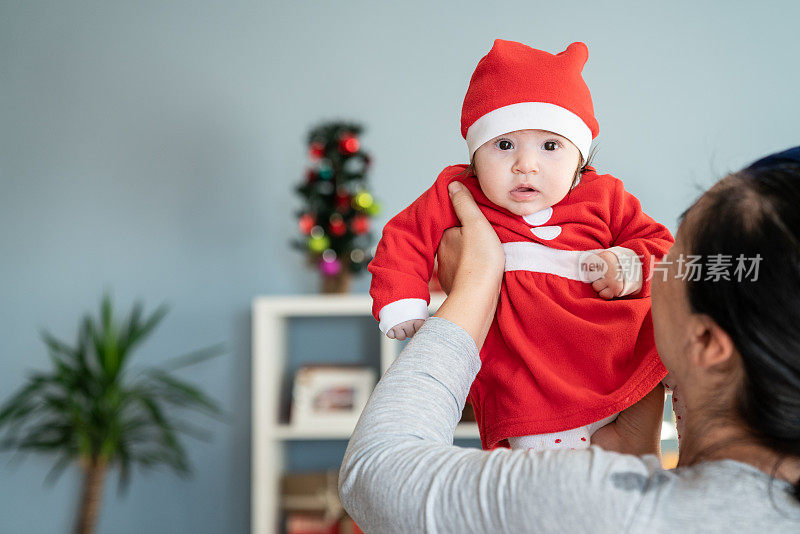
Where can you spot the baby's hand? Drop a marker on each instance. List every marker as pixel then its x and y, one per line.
pixel 405 329
pixel 610 283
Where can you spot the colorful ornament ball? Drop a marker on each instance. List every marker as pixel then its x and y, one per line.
pixel 363 200
pixel 343 201
pixel 360 224
pixel 306 223
pixel 325 171
pixel 337 227
pixel 330 268
pixel 357 255
pixel 318 244
pixel 348 144
pixel 316 150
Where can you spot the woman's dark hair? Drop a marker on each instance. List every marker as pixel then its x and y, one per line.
pixel 753 216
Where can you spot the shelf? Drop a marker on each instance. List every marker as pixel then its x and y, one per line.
pixel 271 315
pixel 323 305
pixel 467 431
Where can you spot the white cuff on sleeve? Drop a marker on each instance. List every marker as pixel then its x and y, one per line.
pixel 631 267
pixel 402 310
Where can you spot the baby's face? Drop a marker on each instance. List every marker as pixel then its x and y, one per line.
pixel 527 170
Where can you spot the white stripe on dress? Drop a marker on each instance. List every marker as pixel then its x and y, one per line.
pixel 537 258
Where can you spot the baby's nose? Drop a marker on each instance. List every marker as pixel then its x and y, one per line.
pixel 527 163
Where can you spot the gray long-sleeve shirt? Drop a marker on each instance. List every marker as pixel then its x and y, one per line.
pixel 402 473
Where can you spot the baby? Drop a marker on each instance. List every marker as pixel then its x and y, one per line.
pixel 571 344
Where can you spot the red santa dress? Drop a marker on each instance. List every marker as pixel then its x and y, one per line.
pixel 557 356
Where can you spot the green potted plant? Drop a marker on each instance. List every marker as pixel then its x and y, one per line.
pixel 93 409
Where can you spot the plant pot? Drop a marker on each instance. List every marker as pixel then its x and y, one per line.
pixel 339 283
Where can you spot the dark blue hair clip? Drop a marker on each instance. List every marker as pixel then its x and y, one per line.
pixel 791 155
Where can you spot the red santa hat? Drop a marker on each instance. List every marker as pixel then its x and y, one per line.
pixel 516 87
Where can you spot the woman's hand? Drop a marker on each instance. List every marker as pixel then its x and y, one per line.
pixel 471 265
pixel 447 257
pixel 637 429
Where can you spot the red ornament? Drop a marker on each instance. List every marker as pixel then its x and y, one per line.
pixel 316 150
pixel 348 144
pixel 360 224
pixel 306 223
pixel 337 228
pixel 343 200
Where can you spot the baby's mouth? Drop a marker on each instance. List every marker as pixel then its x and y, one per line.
pixel 524 192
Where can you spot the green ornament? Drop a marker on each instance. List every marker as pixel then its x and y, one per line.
pixel 325 170
pixel 363 200
pixel 318 244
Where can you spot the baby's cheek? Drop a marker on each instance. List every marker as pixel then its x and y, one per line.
pixel 553 197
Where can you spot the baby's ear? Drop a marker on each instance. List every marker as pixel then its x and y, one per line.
pixel 577 52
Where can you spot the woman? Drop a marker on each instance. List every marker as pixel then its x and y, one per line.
pixel 732 348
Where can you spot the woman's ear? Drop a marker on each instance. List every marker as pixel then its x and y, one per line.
pixel 714 347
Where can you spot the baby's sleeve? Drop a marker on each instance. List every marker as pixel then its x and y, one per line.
pixel 403 262
pixel 632 229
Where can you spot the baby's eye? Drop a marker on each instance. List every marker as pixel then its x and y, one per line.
pixel 505 144
pixel 550 145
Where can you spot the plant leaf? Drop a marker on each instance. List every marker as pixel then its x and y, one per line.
pixel 23 398
pixel 182 393
pixel 142 331
pixel 58 469
pixel 193 358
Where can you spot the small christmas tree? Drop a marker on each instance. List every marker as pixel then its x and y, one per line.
pixel 335 220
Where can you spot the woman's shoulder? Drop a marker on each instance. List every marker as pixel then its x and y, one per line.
pixel 706 497
pixel 727 469
pixel 738 493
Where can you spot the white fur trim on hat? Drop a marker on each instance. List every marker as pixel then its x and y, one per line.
pixel 530 116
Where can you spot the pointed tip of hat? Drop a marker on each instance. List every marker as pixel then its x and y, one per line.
pixel 577 50
pixel 505 43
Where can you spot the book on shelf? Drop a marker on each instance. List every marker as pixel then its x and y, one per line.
pixel 311 504
pixel 314 524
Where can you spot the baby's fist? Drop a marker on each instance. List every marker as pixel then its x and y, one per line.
pixel 405 329
pixel 604 272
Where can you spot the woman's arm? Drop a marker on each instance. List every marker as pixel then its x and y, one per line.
pixel 472 299
pixel 402 473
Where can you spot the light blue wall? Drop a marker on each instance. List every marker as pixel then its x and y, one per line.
pixel 151 148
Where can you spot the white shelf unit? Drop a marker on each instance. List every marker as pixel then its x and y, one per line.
pixel 270 316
